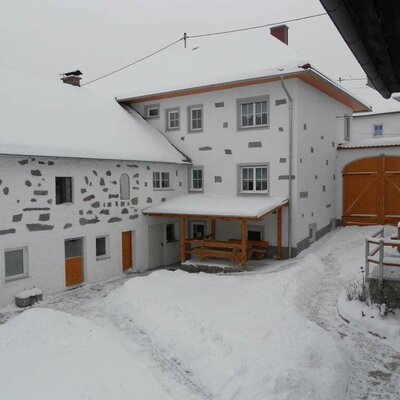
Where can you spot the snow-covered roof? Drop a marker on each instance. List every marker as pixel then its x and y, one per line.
pixel 212 61
pixel 49 118
pixel 205 61
pixel 218 205
pixel 371 142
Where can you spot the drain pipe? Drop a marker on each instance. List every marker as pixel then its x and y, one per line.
pixel 290 165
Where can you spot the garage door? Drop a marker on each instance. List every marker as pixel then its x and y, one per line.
pixel 371 191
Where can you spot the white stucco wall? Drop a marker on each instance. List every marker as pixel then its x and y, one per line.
pixel 363 126
pixel 208 148
pixel 320 124
pixel 105 214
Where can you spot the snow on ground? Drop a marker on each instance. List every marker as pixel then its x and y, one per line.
pixel 243 336
pixel 272 333
pixel 47 354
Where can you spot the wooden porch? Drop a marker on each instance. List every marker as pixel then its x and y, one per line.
pixel 238 251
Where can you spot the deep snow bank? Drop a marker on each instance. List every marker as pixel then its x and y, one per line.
pixel 243 336
pixel 46 354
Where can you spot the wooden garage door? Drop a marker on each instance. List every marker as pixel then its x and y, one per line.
pixel 371 191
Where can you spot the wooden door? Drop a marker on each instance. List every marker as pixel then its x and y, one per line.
pixel 73 262
pixel 156 245
pixel 127 253
pixel 371 191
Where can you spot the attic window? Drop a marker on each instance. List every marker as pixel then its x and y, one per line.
pixel 378 130
pixel 152 111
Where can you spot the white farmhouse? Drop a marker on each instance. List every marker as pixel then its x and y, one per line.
pixel 76 170
pixel 231 147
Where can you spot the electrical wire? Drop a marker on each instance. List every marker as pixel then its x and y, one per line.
pixel 134 62
pixel 256 26
pixel 185 37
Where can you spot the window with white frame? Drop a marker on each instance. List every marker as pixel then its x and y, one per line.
pixel 102 247
pixel 253 113
pixel 378 130
pixel 173 119
pixel 161 180
pixel 195 118
pixel 124 187
pixel 254 179
pixel 346 127
pixel 152 111
pixel 15 261
pixel 196 182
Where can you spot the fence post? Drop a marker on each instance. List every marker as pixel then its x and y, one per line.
pixel 381 254
pixel 366 258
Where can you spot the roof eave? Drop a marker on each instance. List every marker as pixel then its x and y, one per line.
pixel 343 21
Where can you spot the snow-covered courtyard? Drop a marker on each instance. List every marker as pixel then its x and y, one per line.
pixel 271 333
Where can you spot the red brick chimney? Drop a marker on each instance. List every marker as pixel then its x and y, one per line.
pixel 281 32
pixel 72 78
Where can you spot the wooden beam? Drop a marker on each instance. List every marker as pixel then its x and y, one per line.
pixel 213 228
pixel 244 243
pixel 279 238
pixel 183 239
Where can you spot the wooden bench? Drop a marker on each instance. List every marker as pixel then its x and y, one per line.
pixel 217 249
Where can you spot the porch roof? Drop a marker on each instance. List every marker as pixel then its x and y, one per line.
pixel 211 205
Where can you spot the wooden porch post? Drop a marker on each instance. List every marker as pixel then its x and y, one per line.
pixel 213 228
pixel 183 239
pixel 279 238
pixel 244 243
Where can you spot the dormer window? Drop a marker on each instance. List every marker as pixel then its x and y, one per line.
pixel 152 111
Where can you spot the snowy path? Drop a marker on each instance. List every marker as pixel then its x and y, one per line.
pixel 86 302
pixel 375 366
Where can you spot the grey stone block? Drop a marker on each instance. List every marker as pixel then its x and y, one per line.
pixel 217 179
pixel 17 217
pixel 39 227
pixel 134 216
pixel 86 221
pixel 28 183
pixel 114 219
pixel 105 212
pixel 6 190
pixel 228 151
pixel 67 225
pixel 124 211
pixel 280 102
pixel 36 172
pixel 40 192
pixel 285 177
pixel 254 144
pixel 23 162
pixel 36 209
pixel 219 104
pixel 303 195
pixel 282 160
pixel 205 148
pixel 88 198
pixel 7 231
pixel 44 217
pixel 96 204
pixel 149 200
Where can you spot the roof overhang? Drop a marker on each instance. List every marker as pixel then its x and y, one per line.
pixel 371 29
pixel 309 75
pixel 209 206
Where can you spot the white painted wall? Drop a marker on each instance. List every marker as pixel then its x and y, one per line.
pixel 320 127
pixel 363 125
pixel 46 248
pixel 215 162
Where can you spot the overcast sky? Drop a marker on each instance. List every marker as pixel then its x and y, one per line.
pixel 49 37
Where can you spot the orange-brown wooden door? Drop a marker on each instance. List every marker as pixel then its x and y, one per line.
pixel 127 253
pixel 371 191
pixel 73 262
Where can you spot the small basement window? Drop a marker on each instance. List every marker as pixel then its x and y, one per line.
pixel 170 233
pixel 15 263
pixel 161 180
pixel 63 189
pixel 152 111
pixel 102 247
pixel 312 233
pixel 378 130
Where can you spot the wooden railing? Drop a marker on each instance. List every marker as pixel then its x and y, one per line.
pixel 375 252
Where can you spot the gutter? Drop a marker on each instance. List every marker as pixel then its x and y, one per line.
pixel 290 151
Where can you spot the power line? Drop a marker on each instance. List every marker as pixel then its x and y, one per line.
pixel 257 26
pixel 134 62
pixel 185 37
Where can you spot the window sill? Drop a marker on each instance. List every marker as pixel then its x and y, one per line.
pixel 260 193
pixel 16 278
pixel 163 189
pixel 196 190
pixel 65 204
pixel 172 129
pixel 252 128
pixel 99 258
pixel 195 131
